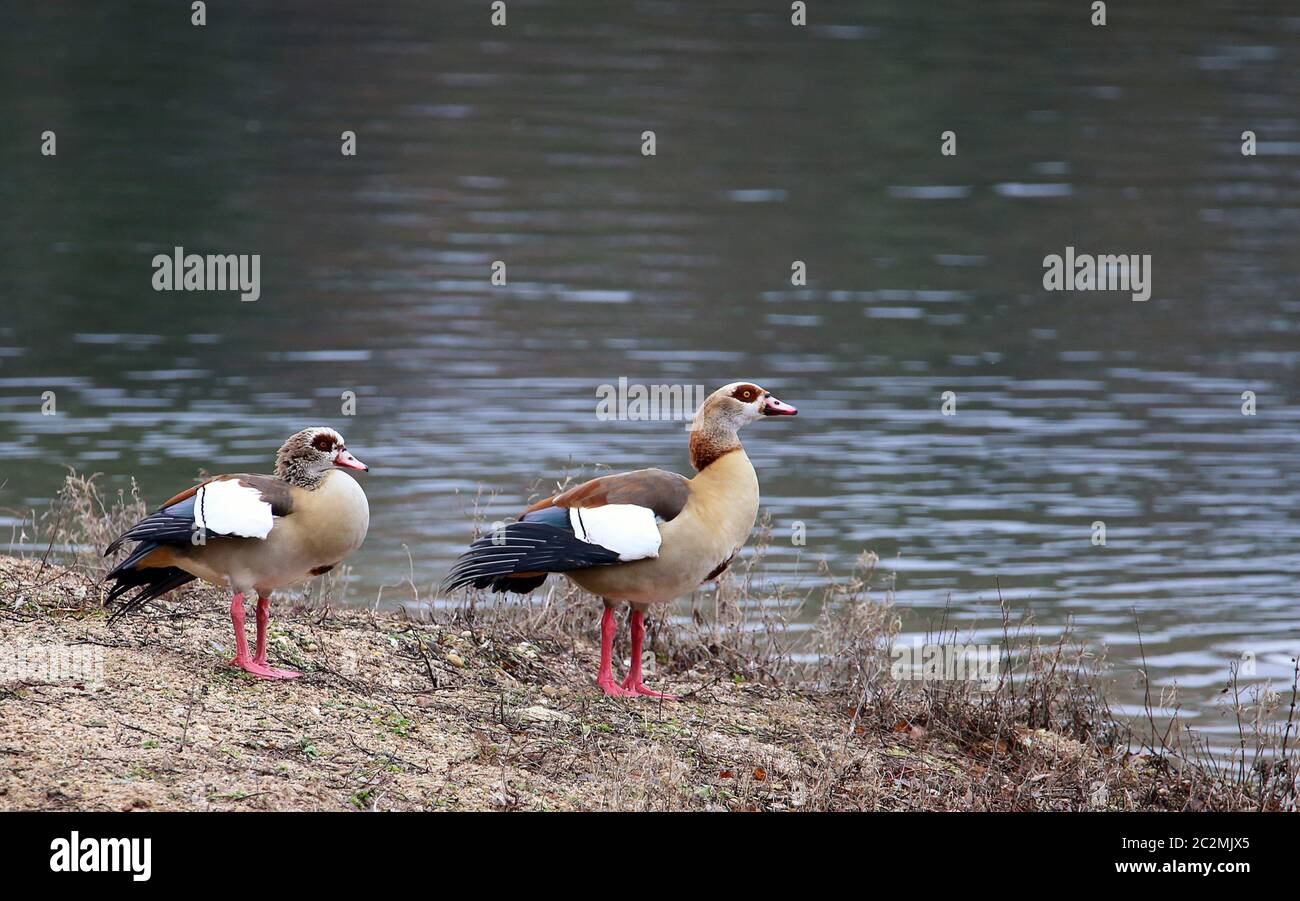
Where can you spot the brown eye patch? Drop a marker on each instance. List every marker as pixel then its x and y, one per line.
pixel 323 443
pixel 746 393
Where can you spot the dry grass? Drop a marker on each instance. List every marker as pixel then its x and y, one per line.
pixel 468 712
pixel 1047 708
pixel 489 704
pixel 1260 772
pixel 1042 737
pixel 81 521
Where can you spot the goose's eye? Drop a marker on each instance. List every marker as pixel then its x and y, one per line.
pixel 323 443
pixel 746 394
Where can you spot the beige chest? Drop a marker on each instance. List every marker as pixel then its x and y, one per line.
pixel 331 521
pixel 326 525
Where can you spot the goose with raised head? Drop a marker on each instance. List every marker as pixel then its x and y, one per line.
pixel 644 537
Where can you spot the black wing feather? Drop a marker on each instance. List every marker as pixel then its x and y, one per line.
pixel 524 547
pixel 153 582
pixel 173 525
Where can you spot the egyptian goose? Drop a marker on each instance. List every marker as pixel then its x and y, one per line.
pixel 644 537
pixel 250 533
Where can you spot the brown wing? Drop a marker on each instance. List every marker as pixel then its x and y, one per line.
pixel 518 556
pixel 275 492
pixel 663 492
pixel 173 522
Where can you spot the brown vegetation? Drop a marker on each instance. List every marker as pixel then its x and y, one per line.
pixel 490 705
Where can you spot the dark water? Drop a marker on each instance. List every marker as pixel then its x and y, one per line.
pixel 774 144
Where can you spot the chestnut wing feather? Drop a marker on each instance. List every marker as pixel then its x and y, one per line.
pixel 666 493
pixel 274 491
pixel 174 521
pixel 553 535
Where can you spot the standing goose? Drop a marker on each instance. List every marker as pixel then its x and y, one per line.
pixel 250 533
pixel 644 537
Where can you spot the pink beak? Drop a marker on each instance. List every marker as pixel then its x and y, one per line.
pixel 774 407
pixel 345 460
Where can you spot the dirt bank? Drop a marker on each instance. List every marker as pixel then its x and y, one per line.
pixel 397 715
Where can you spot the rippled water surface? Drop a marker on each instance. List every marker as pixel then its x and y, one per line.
pixel 774 144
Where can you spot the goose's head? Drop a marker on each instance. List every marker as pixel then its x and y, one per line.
pixel 309 454
pixel 738 404
pixel 726 411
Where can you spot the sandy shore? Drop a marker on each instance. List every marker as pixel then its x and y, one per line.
pixel 392 714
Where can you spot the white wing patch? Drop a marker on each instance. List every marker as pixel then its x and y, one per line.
pixel 628 530
pixel 229 507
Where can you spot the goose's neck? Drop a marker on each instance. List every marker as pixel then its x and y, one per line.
pixel 298 473
pixel 711 441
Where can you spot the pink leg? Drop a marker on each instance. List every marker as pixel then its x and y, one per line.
pixel 264 616
pixel 237 620
pixel 605 678
pixel 256 667
pixel 633 684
